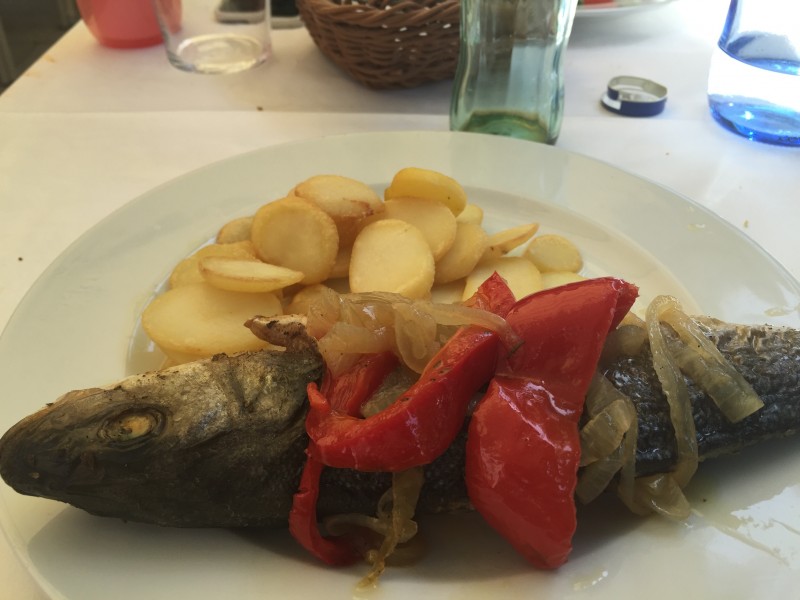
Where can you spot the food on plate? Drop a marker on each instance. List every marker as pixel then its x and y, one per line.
pixel 424 241
pixel 237 230
pixel 472 213
pixel 221 442
pixel 521 275
pixel 346 200
pixel 434 220
pixel 188 269
pixel 553 252
pixel 503 242
pixel 463 256
pixel 413 182
pixel 239 275
pixel 298 235
pixel 196 320
pixel 393 256
pixel 369 402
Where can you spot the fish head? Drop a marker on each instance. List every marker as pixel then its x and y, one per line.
pixel 74 443
pixel 219 441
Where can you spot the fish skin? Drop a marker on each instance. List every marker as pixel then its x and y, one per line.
pixel 767 357
pixel 232 456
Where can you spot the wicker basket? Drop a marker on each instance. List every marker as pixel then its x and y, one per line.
pixel 387 43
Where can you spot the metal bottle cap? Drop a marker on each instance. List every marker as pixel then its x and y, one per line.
pixel 635 96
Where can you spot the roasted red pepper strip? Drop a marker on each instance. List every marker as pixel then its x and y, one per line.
pixel 303 521
pixel 346 394
pixel 350 391
pixel 422 423
pixel 523 444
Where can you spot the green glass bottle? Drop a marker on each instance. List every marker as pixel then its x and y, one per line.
pixel 510 75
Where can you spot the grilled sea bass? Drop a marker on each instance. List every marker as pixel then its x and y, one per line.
pixel 220 442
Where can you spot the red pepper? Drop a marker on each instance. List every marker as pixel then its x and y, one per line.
pixel 336 415
pixel 350 391
pixel 523 445
pixel 303 521
pixel 421 424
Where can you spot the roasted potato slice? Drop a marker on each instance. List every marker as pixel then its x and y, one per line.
pixel 188 270
pixel 467 249
pixel 252 276
pixel 199 320
pixel 392 256
pixel 448 293
pixel 237 230
pixel 436 222
pixel 427 184
pixel 520 274
pixel 472 213
pixel 347 201
pixel 505 241
pixel 552 252
pixel 551 279
pixel 298 235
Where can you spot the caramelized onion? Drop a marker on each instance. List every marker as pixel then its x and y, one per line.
pixel 674 388
pixel 596 477
pixel 603 434
pixel 349 325
pixel 625 340
pixel 662 494
pixel 415 336
pixel 701 360
pixel 398 510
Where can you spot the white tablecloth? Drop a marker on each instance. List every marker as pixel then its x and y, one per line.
pixel 88 128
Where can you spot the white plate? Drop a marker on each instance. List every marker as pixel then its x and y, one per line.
pixel 74 328
pixel 617 7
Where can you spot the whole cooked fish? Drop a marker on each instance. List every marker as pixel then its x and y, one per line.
pixel 220 442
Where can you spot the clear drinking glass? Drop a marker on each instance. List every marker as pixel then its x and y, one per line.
pixel 754 79
pixel 510 76
pixel 215 36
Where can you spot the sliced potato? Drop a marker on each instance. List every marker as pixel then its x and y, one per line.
pixel 552 252
pixel 237 230
pixel 436 222
pixel 520 274
pixel 298 235
pixel 304 297
pixel 448 293
pixel 431 185
pixel 346 200
pixel 472 213
pixel 188 270
pixel 467 249
pixel 251 276
pixel 505 241
pixel 551 279
pixel 392 256
pixel 341 266
pixel 199 320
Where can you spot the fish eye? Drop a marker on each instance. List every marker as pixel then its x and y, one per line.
pixel 132 427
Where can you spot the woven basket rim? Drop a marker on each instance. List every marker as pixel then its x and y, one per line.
pixel 374 13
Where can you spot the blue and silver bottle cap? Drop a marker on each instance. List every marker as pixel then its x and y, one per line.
pixel 635 96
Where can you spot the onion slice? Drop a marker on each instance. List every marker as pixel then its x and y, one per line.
pixel 701 360
pixel 603 434
pixel 674 388
pixel 349 325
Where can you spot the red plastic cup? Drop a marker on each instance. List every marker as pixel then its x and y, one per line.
pixel 121 23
